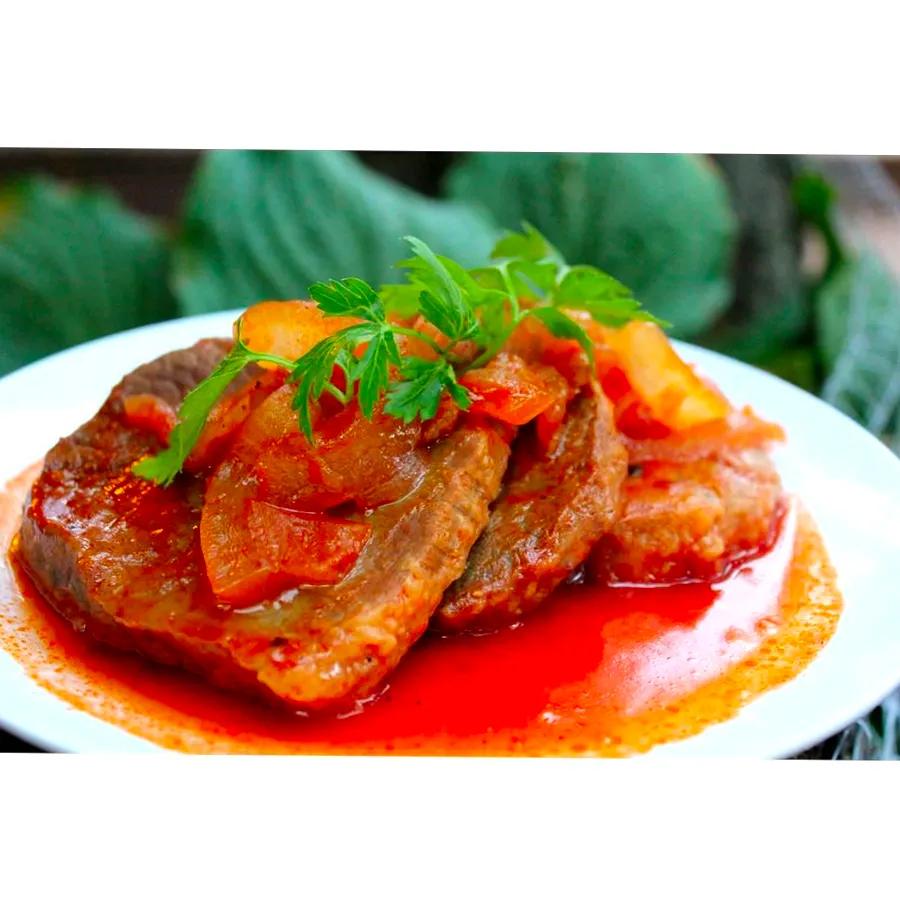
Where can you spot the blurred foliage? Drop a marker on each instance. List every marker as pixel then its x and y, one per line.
pixel 713 247
pixel 815 200
pixel 859 339
pixel 74 265
pixel 265 225
pixel 661 223
pixel 770 309
pixel 875 737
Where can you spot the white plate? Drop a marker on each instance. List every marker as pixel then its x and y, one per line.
pixel 848 480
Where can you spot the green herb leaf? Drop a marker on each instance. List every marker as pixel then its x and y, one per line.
pixel 475 294
pixel 442 302
pixel 192 416
pixel 533 279
pixel 401 300
pixel 561 326
pixel 457 392
pixel 528 264
pixel 347 363
pixel 587 284
pixel 420 392
pixel 373 370
pixel 313 371
pixel 606 299
pixel 529 244
pixel 496 323
pixel 347 297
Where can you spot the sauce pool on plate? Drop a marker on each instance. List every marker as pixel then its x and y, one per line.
pixel 608 671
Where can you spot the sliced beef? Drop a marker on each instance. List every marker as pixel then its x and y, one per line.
pixel 120 558
pixel 553 508
pixel 690 519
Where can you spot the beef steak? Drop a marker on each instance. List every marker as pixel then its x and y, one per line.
pixel 553 508
pixel 120 558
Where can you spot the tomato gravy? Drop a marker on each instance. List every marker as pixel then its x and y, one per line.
pixel 597 670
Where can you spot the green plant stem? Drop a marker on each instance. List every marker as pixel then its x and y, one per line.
pixel 411 332
pixel 268 357
pixel 343 397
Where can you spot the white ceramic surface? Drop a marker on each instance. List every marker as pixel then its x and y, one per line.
pixel 845 477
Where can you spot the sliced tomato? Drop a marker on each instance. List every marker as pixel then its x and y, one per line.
pixel 150 413
pixel 535 344
pixel 378 460
pixel 512 390
pixel 672 391
pixel 288 328
pixel 286 468
pixel 613 379
pixel 290 472
pixel 253 550
pixel 635 420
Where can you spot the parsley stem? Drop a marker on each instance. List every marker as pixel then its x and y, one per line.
pixel 481 359
pixel 562 270
pixel 511 292
pixel 343 397
pixel 490 352
pixel 411 332
pixel 487 355
pixel 268 357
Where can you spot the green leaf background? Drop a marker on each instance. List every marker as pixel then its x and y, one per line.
pixel 74 265
pixel 711 245
pixel 770 308
pixel 859 334
pixel 660 223
pixel 265 225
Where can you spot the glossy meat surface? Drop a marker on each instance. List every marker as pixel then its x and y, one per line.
pixel 554 506
pixel 689 519
pixel 120 558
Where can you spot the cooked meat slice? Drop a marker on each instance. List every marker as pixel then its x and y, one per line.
pixel 172 375
pixel 120 558
pixel 553 509
pixel 689 519
pixel 152 393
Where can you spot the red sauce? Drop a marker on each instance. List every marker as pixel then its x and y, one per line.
pixel 597 670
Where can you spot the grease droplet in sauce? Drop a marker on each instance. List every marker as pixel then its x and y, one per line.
pixel 607 671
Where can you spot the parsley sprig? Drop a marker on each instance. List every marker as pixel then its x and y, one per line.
pixel 527 278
